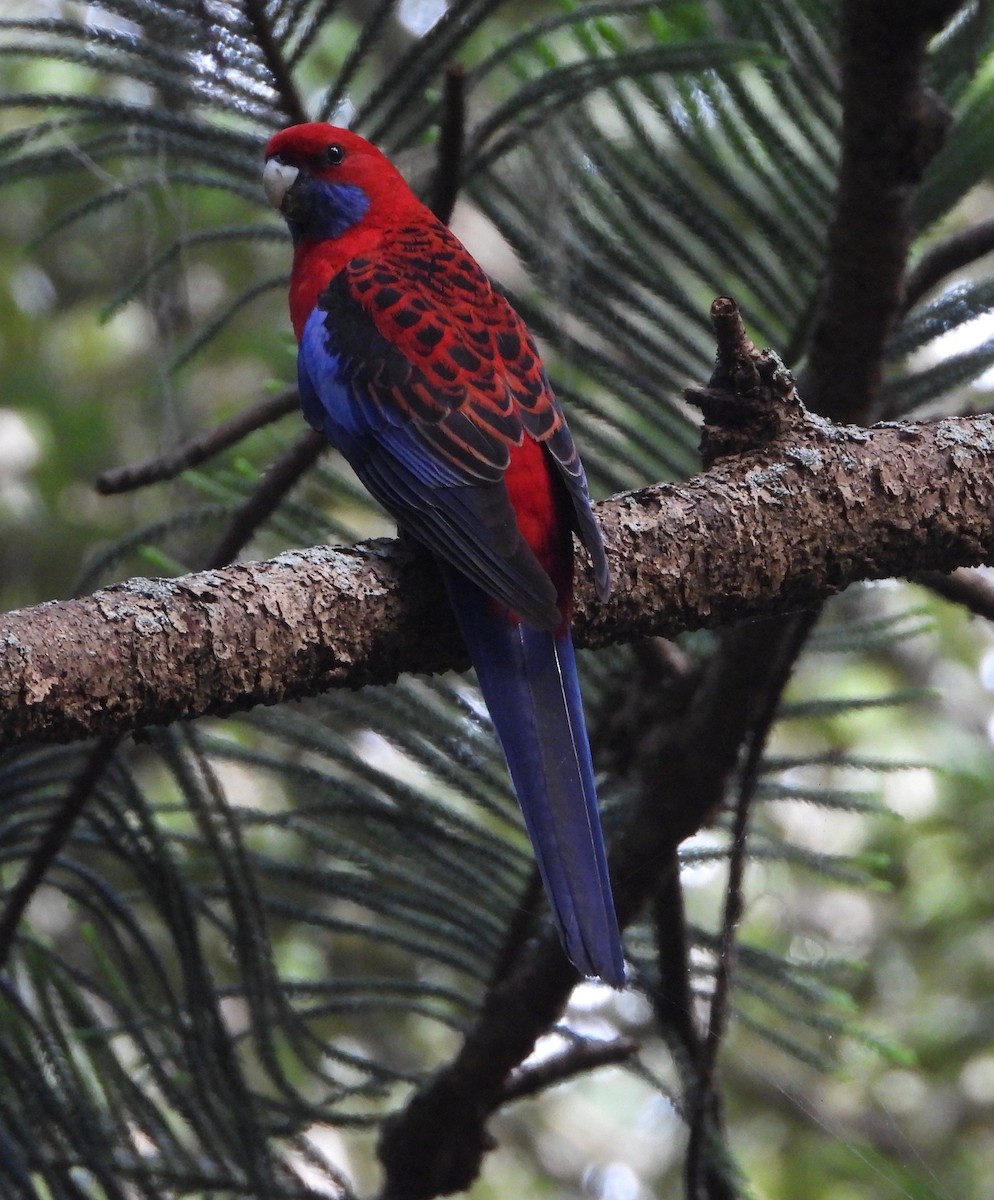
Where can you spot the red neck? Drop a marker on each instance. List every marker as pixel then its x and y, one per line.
pixel 315 264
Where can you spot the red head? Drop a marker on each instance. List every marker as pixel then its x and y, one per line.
pixel 327 181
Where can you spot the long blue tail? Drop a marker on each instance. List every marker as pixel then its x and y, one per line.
pixel 529 681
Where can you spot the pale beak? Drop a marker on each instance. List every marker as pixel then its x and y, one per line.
pixel 277 179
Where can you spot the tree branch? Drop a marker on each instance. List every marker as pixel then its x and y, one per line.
pixel 891 129
pixel 198 449
pixel 959 250
pixel 451 143
pixel 771 531
pixel 580 1058
pixel 972 589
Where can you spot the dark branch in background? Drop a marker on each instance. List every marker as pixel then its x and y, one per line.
pixel 435 1145
pixel 451 140
pixel 276 63
pixel 673 1004
pixel 974 590
pixel 520 928
pixel 672 995
pixel 52 841
pixel 892 127
pixel 577 1060
pixel 198 449
pixel 959 250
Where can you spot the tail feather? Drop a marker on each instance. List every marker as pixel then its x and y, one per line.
pixel 529 681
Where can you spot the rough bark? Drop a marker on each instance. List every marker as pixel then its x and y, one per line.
pixel 770 531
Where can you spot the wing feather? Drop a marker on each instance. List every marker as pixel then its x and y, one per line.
pixel 426 380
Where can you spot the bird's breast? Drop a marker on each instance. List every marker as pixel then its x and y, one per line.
pixel 315 265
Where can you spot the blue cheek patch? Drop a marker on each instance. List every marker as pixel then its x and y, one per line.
pixel 326 210
pixel 346 204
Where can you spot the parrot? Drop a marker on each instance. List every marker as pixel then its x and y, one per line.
pixel 422 375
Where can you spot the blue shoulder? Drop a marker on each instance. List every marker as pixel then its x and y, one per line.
pixel 357 420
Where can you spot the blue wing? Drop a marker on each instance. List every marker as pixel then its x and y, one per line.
pixel 430 434
pixel 466 520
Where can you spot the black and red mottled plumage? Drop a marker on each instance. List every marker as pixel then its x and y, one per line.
pixel 428 382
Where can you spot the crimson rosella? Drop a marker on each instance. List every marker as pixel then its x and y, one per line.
pixel 429 384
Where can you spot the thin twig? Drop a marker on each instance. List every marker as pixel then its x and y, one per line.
pixel 951 254
pixel 198 449
pixel 673 999
pixel 451 140
pixel 972 588
pixel 52 842
pixel 580 1058
pixel 519 929
pixel 274 485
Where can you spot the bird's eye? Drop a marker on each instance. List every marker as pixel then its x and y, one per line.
pixel 333 155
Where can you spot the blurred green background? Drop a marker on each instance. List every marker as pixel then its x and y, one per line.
pixel 888 1090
